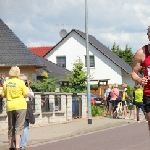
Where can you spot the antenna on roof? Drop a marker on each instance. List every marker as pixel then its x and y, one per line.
pixel 63 33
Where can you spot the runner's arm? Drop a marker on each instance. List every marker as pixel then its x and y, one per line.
pixel 138 59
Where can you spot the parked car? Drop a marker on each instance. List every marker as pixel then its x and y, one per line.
pixel 95 100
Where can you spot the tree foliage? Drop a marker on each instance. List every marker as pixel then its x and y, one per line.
pixel 130 91
pixel 125 54
pixel 46 85
pixel 77 80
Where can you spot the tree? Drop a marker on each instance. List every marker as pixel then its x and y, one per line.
pixel 128 55
pixel 114 47
pixel 78 79
pixel 125 54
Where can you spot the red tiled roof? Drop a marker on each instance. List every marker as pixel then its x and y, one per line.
pixel 40 51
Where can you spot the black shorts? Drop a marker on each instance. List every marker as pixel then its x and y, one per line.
pixel 146 102
pixel 114 103
pixel 123 103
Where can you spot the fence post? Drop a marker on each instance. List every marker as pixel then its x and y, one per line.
pixel 84 105
pixel 63 104
pixel 38 106
pixel 3 115
pixel 69 107
pixel 4 106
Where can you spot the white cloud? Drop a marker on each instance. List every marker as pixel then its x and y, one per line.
pixel 33 43
pixel 124 38
pixel 39 22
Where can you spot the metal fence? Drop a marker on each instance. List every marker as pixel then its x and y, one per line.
pixel 1 104
pixel 45 103
pixel 45 106
pixel 76 106
pixel 57 102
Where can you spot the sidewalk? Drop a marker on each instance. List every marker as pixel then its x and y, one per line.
pixel 52 132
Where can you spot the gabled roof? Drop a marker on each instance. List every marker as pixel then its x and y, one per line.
pixel 13 51
pixel 102 49
pixel 53 69
pixel 40 51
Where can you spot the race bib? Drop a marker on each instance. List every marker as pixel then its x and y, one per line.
pixel 148 72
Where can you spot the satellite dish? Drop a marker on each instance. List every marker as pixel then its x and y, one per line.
pixel 63 33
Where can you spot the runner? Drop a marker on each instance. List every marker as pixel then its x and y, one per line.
pixel 142 61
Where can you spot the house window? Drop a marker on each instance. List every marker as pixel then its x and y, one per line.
pixel 92 61
pixel 61 61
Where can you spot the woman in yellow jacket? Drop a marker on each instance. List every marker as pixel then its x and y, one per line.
pixel 15 91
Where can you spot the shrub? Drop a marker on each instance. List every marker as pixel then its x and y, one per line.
pixel 130 107
pixel 94 86
pixel 97 110
pixel 130 91
pixel 46 85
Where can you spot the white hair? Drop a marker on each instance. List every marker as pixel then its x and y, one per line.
pixel 14 71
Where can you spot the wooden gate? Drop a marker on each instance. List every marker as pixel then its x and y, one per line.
pixel 102 86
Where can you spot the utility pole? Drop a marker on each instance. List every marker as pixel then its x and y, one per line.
pixel 88 65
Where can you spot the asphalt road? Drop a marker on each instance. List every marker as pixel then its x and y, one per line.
pixel 130 137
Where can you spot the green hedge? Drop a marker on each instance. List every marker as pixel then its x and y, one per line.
pixel 94 86
pixel 98 110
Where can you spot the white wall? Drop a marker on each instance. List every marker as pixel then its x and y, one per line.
pixel 71 48
pixel 74 46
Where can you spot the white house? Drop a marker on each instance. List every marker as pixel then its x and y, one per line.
pixel 104 64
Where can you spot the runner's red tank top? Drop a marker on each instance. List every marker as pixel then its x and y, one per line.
pixel 146 70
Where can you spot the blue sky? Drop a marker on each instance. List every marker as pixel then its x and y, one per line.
pixel 38 22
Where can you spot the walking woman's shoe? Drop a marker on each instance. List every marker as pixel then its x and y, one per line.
pixel 12 148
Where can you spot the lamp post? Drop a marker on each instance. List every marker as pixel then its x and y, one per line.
pixel 88 65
